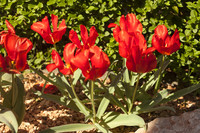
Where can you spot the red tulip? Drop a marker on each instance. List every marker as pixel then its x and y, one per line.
pixel 43 29
pixel 93 62
pixel 3 34
pixel 88 41
pixel 68 53
pixel 49 89
pixel 17 49
pixel 141 59
pixel 129 26
pixel 163 43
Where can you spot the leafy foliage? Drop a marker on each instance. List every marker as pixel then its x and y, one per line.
pixel 180 14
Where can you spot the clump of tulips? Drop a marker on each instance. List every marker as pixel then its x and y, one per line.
pixel 85 62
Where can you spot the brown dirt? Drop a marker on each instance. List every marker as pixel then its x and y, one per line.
pixel 42 114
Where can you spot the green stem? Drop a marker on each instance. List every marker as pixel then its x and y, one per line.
pixel 45 83
pixel 54 45
pixel 160 75
pixel 92 100
pixel 134 93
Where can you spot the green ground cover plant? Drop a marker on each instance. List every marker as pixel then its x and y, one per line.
pixel 181 14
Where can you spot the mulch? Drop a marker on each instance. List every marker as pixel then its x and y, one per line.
pixel 42 114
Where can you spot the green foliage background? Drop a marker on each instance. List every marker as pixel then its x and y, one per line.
pixel 181 14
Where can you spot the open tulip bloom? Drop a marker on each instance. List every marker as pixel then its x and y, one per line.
pixel 17 49
pixel 43 28
pixel 68 68
pixel 163 43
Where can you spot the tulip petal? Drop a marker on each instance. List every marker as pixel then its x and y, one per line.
pixel 74 38
pixel 123 23
pixel 112 25
pixel 11 44
pixel 133 23
pixel 84 34
pixel 93 36
pixel 10 27
pixel 41 27
pixel 161 31
pixel 51 67
pixel 54 19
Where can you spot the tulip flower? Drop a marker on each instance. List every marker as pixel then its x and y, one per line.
pixel 163 43
pixel 49 89
pixel 141 59
pixel 88 41
pixel 17 49
pixel 68 53
pixel 43 29
pixel 3 34
pixel 129 26
pixel 93 62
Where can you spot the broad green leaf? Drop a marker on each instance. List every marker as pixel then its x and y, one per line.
pixel 102 129
pixel 126 73
pixel 149 104
pixel 148 110
pixel 58 99
pixel 8 117
pixel 19 108
pixel 76 76
pixel 117 119
pixel 180 93
pixel 69 128
pixel 104 104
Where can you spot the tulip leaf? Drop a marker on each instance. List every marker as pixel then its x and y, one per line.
pixel 102 129
pixel 180 93
pixel 152 80
pixel 16 102
pixel 148 110
pixel 77 75
pixel 58 99
pixel 69 128
pixel 60 87
pixel 8 117
pixel 116 119
pixel 147 105
pixel 104 103
pixel 19 108
pixel 126 73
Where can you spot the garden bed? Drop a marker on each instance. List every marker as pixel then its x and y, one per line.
pixel 42 114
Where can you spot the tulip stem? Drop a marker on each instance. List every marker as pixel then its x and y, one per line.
pixel 134 93
pixel 160 74
pixel 92 100
pixel 54 45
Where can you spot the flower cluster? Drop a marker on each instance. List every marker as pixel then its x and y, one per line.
pixel 17 49
pixel 133 47
pixel 86 56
